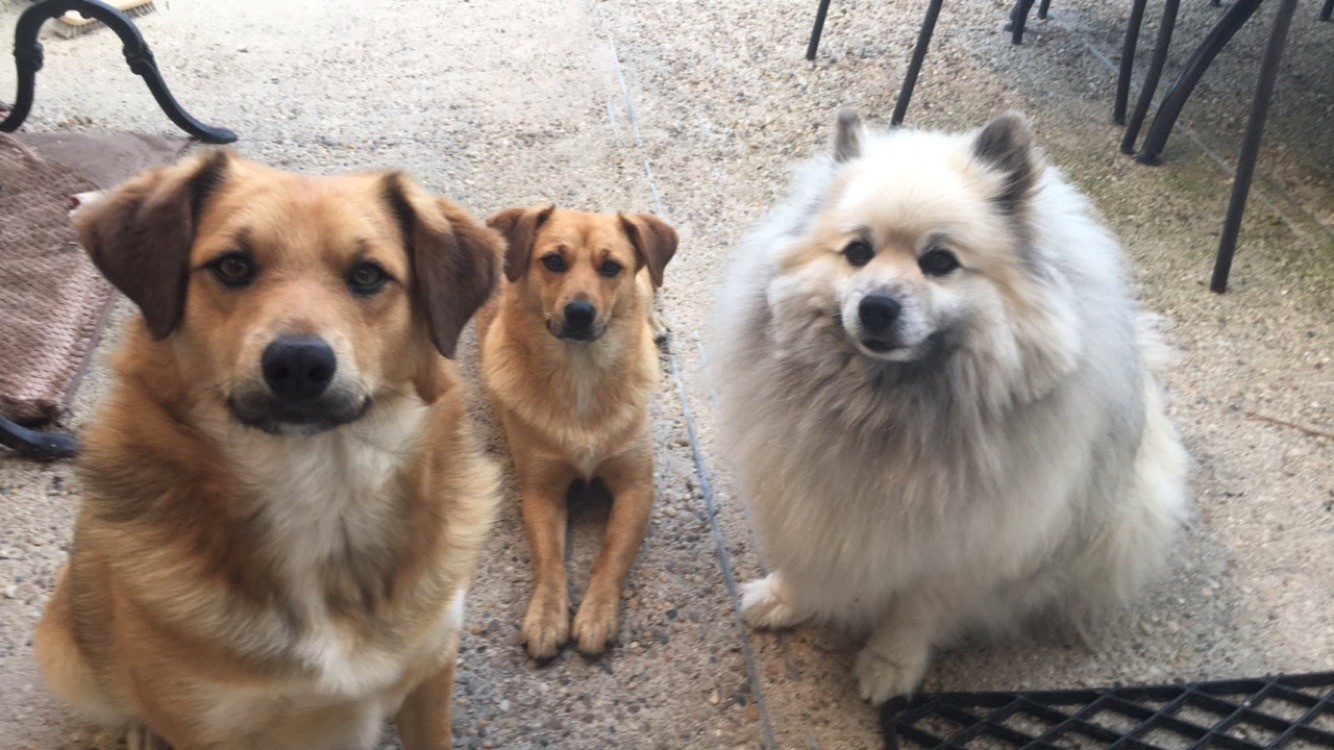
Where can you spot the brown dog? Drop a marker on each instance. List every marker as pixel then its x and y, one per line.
pixel 569 361
pixel 284 502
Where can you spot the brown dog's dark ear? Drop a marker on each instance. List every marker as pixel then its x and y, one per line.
pixel 455 260
pixel 140 235
pixel 519 225
pixel 654 241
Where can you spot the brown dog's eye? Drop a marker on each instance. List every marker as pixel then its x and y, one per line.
pixel 554 262
pixel 937 262
pixel 610 268
pixel 366 278
pixel 859 252
pixel 234 270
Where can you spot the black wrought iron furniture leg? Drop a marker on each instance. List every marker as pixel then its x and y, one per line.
pixel 1327 10
pixel 1043 6
pixel 817 29
pixel 1250 144
pixel 28 56
pixel 1152 76
pixel 1127 62
pixel 915 64
pixel 39 446
pixel 1175 99
pixel 1018 19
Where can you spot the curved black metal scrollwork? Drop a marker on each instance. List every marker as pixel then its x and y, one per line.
pixel 28 56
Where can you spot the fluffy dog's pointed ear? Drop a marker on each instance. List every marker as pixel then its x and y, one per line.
pixel 455 260
pixel 654 241
pixel 140 235
pixel 519 226
pixel 848 136
pixel 1005 144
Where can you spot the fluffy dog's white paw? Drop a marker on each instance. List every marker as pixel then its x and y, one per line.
pixel 881 677
pixel 766 603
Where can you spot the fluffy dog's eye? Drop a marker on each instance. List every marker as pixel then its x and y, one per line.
pixel 937 262
pixel 554 262
pixel 859 252
pixel 610 268
pixel 366 278
pixel 234 270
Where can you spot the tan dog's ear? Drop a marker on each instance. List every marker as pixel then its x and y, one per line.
pixel 455 260
pixel 140 235
pixel 519 225
pixel 654 241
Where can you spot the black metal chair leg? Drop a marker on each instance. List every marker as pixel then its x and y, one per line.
pixel 1043 6
pixel 1018 19
pixel 817 30
pixel 1175 98
pixel 1327 11
pixel 39 446
pixel 1127 62
pixel 915 64
pixel 1250 144
pixel 28 56
pixel 1152 77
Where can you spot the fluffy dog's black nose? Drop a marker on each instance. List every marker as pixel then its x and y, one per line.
pixel 579 316
pixel 878 312
pixel 297 369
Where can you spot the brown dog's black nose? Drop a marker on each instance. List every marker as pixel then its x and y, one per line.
pixel 579 316
pixel 878 312
pixel 298 369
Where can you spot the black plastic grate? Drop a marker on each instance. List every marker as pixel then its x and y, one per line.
pixel 1292 711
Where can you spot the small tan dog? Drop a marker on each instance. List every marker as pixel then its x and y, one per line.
pixel 569 361
pixel 284 502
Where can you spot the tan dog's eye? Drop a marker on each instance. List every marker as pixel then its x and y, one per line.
pixel 610 268
pixel 234 270
pixel 554 262
pixel 366 278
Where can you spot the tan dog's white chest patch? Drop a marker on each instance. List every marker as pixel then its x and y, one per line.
pixel 322 494
pixel 577 419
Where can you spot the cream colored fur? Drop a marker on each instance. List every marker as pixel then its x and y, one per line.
pixel 1012 456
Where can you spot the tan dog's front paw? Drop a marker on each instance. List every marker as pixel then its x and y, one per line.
pixel 597 624
pixel 546 627
pixel 881 677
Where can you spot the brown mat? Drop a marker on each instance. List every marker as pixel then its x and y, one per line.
pixel 53 303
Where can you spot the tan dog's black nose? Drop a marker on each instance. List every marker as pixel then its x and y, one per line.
pixel 297 369
pixel 579 317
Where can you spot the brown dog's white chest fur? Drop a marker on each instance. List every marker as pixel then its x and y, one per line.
pixel 586 402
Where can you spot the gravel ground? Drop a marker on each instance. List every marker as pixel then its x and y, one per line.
pixel 696 110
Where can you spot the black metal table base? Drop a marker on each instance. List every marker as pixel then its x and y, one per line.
pixel 39 446
pixel 28 56
pixel 1250 144
pixel 1175 100
pixel 1018 20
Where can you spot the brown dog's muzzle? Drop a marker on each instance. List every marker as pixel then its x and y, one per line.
pixel 579 322
pixel 299 393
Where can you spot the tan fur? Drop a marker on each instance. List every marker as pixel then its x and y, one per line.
pixel 576 411
pixel 229 588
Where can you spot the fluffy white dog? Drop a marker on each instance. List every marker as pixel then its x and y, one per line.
pixel 934 378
